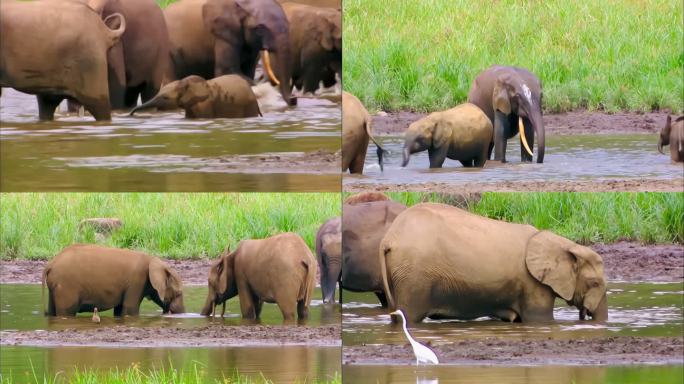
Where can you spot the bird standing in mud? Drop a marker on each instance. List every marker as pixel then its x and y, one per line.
pixel 96 316
pixel 424 355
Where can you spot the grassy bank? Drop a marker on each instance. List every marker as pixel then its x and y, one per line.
pixel 583 217
pixel 174 225
pixel 423 55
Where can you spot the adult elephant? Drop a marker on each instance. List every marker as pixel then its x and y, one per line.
pixel 356 133
pixel 511 98
pixel 329 254
pixel 210 38
pixel 440 261
pixel 83 277
pixel 315 45
pixel 363 227
pixel 58 50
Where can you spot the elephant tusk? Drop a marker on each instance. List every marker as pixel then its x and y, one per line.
pixel 267 66
pixel 523 139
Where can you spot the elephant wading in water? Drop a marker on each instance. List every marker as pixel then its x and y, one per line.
pixel 210 38
pixel 57 50
pixel 279 269
pixel 83 277
pixel 224 96
pixel 443 262
pixel 463 133
pixel 356 132
pixel 673 134
pixel 329 253
pixel 512 100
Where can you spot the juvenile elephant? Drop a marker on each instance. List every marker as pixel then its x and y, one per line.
pixel 315 45
pixel 674 136
pixel 85 276
pixel 511 98
pixel 440 261
pixel 363 227
pixel 58 50
pixel 329 253
pixel 279 269
pixel 224 96
pixel 463 133
pixel 356 132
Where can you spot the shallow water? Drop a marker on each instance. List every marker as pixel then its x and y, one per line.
pixel 581 157
pixel 164 151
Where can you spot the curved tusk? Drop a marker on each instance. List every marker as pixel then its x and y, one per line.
pixel 267 66
pixel 523 139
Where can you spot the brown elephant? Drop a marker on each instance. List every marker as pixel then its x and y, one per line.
pixel 463 133
pixel 58 50
pixel 329 254
pixel 210 38
pixel 363 227
pixel 224 96
pixel 439 261
pixel 356 133
pixel 315 45
pixel 511 98
pixel 280 269
pixel 85 276
pixel 673 135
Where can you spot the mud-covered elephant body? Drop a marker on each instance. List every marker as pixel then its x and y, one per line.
pixel 57 50
pixel 356 133
pixel 280 269
pixel 462 133
pixel 227 96
pixel 84 276
pixel 511 97
pixel 673 135
pixel 329 253
pixel 440 261
pixel 363 227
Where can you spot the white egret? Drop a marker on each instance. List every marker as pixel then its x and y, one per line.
pixel 96 316
pixel 424 355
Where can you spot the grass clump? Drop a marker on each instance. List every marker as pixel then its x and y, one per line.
pixel 424 55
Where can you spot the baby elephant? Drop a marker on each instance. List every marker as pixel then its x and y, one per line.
pixel 463 133
pixel 83 277
pixel 673 134
pixel 280 269
pixel 224 96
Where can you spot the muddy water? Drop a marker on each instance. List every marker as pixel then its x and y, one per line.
pixel 581 157
pixel 165 152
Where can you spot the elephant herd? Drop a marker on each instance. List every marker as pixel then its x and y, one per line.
pixel 105 54
pixel 438 261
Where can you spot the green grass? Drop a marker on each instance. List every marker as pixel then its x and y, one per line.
pixel 174 225
pixel 423 54
pixel 583 217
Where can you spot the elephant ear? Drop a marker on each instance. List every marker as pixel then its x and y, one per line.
pixel 193 90
pixel 225 265
pixel 159 275
pixel 326 33
pixel 500 98
pixel 549 260
pixel 440 133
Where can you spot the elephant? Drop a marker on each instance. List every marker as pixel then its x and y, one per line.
pixel 210 38
pixel 673 135
pixel 440 261
pixel 58 50
pixel 511 97
pixel 329 253
pixel 356 132
pixel 462 133
pixel 280 269
pixel 315 45
pixel 85 276
pixel 365 197
pixel 224 96
pixel 363 227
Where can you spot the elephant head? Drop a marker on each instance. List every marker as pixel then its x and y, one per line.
pixel 221 282
pixel 422 135
pixel 665 134
pixel 167 286
pixel 180 93
pixel 512 95
pixel 572 271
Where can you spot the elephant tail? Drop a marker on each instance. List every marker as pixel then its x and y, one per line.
pixel 42 291
pixel 115 25
pixel 380 151
pixel 385 250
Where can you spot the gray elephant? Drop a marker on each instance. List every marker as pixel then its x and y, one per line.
pixel 329 253
pixel 84 276
pixel 440 261
pixel 673 135
pixel 463 133
pixel 511 98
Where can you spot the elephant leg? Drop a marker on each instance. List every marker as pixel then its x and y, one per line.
pixel 47 105
pixel 529 132
pixel 226 58
pixel 467 163
pixel 118 310
pixel 302 310
pixel 248 63
pixel 383 299
pixel 287 308
pixel 500 134
pixel 247 304
pixel 437 156
pixel 51 311
pixel 66 302
pixel 257 307
pixel 357 163
pixel 99 108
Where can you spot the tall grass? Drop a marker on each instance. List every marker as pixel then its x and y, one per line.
pixel 173 225
pixel 423 54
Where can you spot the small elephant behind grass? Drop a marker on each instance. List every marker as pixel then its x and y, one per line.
pixel 228 96
pixel 673 135
pixel 463 133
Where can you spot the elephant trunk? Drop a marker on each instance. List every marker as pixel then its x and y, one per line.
pixel 601 312
pixel 152 103
pixel 538 124
pixel 406 156
pixel 660 145
pixel 208 306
